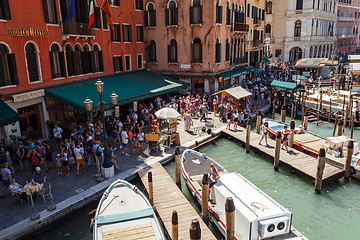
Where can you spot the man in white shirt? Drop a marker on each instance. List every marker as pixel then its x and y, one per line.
pixel 124 141
pixel 57 133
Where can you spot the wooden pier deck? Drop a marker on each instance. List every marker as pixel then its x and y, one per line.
pixel 296 160
pixel 167 198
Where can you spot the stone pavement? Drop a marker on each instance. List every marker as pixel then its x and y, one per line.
pixel 66 188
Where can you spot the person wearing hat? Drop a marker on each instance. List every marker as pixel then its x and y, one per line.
pixel 39 176
pixel 58 164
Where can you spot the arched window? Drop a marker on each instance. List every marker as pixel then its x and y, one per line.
pixel 311 52
pixel 268 29
pixel 269 6
pixel 218 9
pixel 69 54
pixel 196 12
pixel 227 50
pixel 196 51
pixel 8 71
pixel 150 15
pixel 228 14
pixel 57 61
pixel 87 61
pixel 32 62
pixel 171 14
pixel 152 51
pixel 98 55
pixel 297 29
pixel 217 51
pixel 77 59
pixel 172 52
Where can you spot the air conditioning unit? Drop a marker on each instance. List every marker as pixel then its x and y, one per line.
pixel 273 227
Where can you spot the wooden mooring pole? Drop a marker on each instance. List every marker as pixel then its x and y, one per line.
pixel 258 122
pixel 339 127
pixel 306 119
pixel 292 129
pixel 175 226
pixel 303 109
pixel 277 151
pixel 151 189
pixel 283 113
pixel 177 167
pixel 273 110
pixel 248 131
pixel 352 126
pixel 335 125
pixel 349 154
pixel 329 111
pixel 318 111
pixel 230 218
pixel 320 170
pixel 195 231
pixel 205 198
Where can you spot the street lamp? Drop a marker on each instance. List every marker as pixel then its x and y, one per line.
pixel 107 165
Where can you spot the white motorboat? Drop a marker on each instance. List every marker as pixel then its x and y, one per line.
pixel 257 216
pixel 124 212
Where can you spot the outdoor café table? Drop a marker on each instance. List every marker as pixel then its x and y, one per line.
pixel 31 188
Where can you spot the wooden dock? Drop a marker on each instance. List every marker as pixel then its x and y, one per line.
pixel 298 161
pixel 167 198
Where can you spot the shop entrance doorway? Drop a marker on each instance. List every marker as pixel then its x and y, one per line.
pixel 30 125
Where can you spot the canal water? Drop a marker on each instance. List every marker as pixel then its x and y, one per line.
pixel 334 214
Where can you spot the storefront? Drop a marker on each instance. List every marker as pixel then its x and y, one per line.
pixel 8 119
pixel 231 78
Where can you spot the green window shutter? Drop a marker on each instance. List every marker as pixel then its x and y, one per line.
pixel 169 53
pixel 62 64
pixel 12 69
pixel 5 9
pixel 176 16
pixel 167 17
pixel 200 52
pixel 220 14
pixel 101 61
pixel 191 14
pixel 146 18
pixel 119 32
pixel 97 17
pixel 46 13
pixel 201 10
pixel 192 53
pixel 130 34
pixel 51 56
pixel 114 64
pixel 92 67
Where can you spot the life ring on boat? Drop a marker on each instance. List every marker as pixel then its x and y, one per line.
pixel 352 170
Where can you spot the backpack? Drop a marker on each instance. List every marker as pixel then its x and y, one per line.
pixel 97 152
pixel 89 147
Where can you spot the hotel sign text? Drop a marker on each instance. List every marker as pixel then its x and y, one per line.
pixel 27 32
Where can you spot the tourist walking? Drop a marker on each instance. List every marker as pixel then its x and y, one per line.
pixel 57 133
pixel 65 160
pixel 125 142
pixel 229 119
pixel 5 177
pixel 188 121
pixel 285 132
pixel 236 119
pixel 79 156
pixel 203 112
pixel 112 157
pixel 264 133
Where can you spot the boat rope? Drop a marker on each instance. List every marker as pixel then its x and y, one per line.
pixel 108 204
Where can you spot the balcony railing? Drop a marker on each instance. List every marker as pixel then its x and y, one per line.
pixel 257 22
pixel 311 11
pixel 238 61
pixel 347 19
pixel 240 27
pixel 75 28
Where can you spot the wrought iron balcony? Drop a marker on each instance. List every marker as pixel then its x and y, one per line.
pixel 240 27
pixel 257 22
pixel 238 61
pixel 75 28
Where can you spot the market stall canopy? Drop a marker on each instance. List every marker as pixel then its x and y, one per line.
pixel 265 60
pixel 129 87
pixel 259 70
pixel 8 115
pixel 315 63
pixel 167 113
pixel 291 86
pixel 236 92
pixel 233 73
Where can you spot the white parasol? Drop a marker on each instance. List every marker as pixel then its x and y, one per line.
pixel 167 113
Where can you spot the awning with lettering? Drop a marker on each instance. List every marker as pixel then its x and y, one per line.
pixel 130 87
pixel 234 73
pixel 8 115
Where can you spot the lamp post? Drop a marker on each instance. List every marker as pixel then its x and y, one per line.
pixel 108 169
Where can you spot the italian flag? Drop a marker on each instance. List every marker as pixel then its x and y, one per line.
pixel 91 13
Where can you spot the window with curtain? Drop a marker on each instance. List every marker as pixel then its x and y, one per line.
pixel 150 15
pixel 297 29
pixel 50 11
pixel 172 52
pixel 118 64
pixel 127 33
pixel 196 12
pixel 171 14
pixel 268 29
pixel 8 70
pixel 196 54
pixel 32 62
pixel 139 33
pixel 139 4
pixel 116 33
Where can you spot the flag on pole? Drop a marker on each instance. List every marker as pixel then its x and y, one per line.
pixel 91 13
pixel 72 11
pixel 105 6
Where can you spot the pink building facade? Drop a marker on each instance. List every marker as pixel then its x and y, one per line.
pixel 196 40
pixel 347 26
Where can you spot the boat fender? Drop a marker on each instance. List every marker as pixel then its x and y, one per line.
pixel 352 170
pixel 193 194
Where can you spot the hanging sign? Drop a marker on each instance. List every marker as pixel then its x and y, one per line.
pixel 27 32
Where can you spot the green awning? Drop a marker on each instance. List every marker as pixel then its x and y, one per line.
pixel 259 70
pixel 129 87
pixel 8 115
pixel 265 60
pixel 233 73
pixel 287 86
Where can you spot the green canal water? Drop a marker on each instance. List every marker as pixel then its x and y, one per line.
pixel 332 215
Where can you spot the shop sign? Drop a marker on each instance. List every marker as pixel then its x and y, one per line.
pixel 108 113
pixel 28 96
pixel 117 111
pixel 185 66
pixel 27 32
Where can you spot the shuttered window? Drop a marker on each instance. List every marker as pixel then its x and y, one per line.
pixel 227 50
pixel 127 33
pixel 196 51
pixel 140 61
pixel 127 63
pixel 99 65
pixel 118 65
pixel 171 14
pixel 152 51
pixel 196 12
pixel 116 33
pixel 32 62
pixel 8 70
pixel 150 15
pixel 5 10
pixel 69 60
pixel 104 20
pixel 139 4
pixel 139 33
pixel 218 12
pixel 97 17
pixel 57 62
pixel 217 51
pixel 77 60
pixel 172 52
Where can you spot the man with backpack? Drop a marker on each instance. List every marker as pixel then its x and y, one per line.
pixel 99 156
